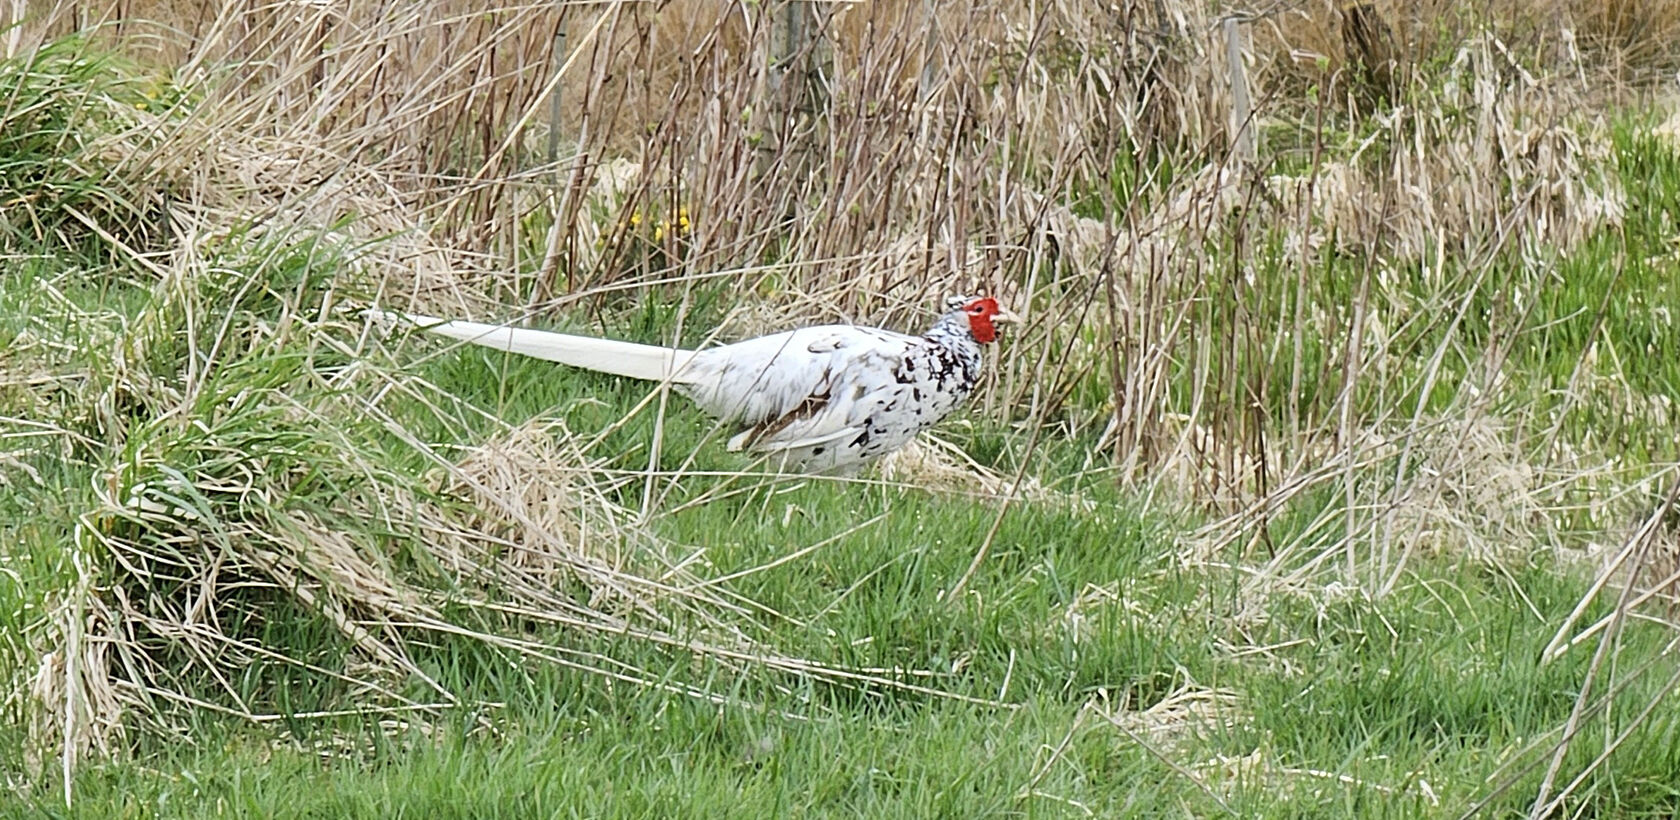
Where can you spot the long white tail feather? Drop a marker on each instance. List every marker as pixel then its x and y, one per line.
pixel 628 359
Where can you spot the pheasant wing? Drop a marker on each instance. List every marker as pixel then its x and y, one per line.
pixel 798 389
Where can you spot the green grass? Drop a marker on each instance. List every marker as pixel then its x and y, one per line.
pixel 67 106
pixel 1439 682
pixel 1418 686
pixel 245 399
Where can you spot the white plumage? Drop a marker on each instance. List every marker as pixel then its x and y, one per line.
pixel 829 398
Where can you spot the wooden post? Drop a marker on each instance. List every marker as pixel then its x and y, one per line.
pixel 559 60
pixel 800 63
pixel 566 194
pixel 1242 112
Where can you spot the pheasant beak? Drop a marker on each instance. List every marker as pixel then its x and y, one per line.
pixel 1006 316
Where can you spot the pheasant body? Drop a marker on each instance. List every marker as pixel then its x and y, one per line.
pixel 824 399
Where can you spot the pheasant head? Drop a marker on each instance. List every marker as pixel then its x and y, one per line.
pixel 978 316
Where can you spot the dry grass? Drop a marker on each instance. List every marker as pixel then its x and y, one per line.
pixel 974 153
pixel 940 167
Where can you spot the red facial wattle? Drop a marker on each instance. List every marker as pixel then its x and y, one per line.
pixel 980 313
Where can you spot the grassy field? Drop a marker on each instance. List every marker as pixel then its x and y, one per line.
pixel 1331 478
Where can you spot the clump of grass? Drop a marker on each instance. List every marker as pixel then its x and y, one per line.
pixel 74 120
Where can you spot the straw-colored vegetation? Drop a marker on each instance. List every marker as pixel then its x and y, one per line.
pixel 1333 473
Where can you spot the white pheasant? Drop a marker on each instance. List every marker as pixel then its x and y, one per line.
pixel 825 399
